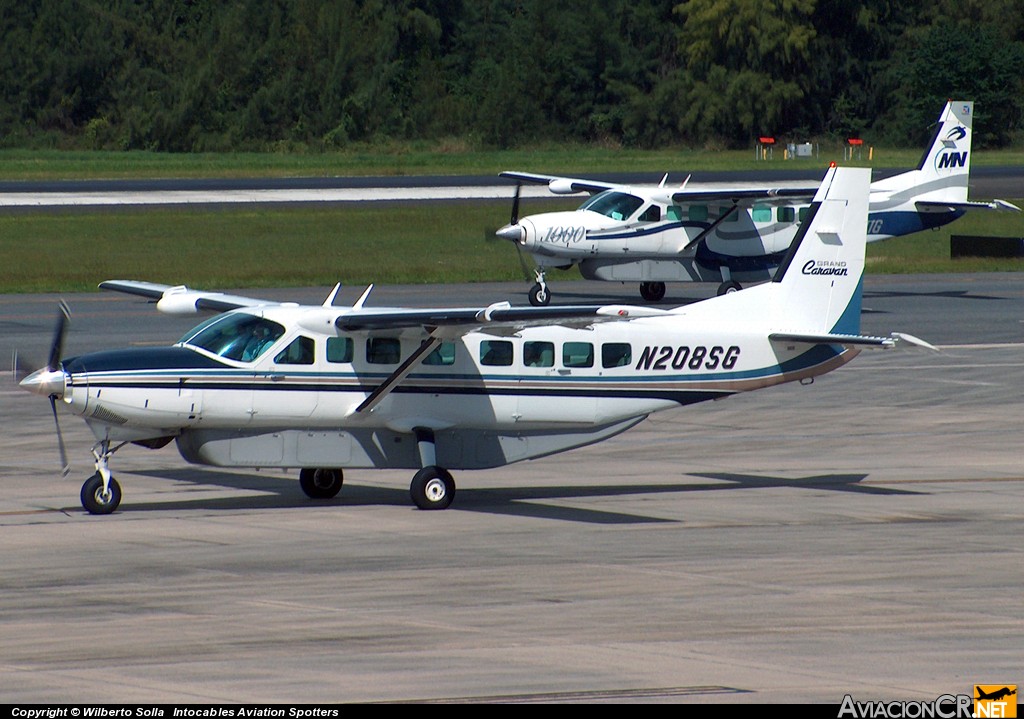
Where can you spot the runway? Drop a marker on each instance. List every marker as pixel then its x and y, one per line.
pixel 985 182
pixel 862 536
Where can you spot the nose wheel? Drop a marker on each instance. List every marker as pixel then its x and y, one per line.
pixel 99 497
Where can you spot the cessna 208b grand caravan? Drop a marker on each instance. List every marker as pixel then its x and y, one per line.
pixel 654 235
pixel 327 388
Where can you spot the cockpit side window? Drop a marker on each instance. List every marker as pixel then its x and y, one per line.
pixel 651 214
pixel 242 337
pixel 614 204
pixel 298 351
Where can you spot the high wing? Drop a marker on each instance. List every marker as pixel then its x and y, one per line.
pixel 746 195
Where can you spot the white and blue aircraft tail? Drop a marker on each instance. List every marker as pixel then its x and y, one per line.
pixel 327 388
pixel 935 193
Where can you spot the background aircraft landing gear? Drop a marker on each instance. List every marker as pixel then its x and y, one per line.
pixel 729 287
pixel 321 483
pixel 539 294
pixel 432 488
pixel 652 291
pixel 98 500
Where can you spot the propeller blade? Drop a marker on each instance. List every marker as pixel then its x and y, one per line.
pixel 522 263
pixel 65 467
pixel 57 347
pixel 515 204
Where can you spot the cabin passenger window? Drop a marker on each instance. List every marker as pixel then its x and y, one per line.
pixel 539 354
pixel 697 213
pixel 383 350
pixel 804 211
pixel 577 354
pixel 616 354
pixel 339 350
pixel 443 354
pixel 761 213
pixel 299 351
pixel 786 214
pixel 674 212
pixel 496 353
pixel 728 215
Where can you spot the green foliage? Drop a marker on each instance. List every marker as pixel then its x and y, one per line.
pixel 315 75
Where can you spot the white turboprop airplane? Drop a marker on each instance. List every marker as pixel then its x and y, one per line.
pixel 654 235
pixel 321 388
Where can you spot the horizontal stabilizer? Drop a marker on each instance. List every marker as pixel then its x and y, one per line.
pixel 851 341
pixel 935 206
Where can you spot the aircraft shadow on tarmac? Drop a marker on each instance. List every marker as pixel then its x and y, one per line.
pixel 947 294
pixel 282 493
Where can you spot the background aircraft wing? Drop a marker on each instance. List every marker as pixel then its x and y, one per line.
pixel 745 195
pixel 180 300
pixel 561 185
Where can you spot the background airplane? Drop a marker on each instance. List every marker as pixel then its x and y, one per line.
pixel 322 388
pixel 653 235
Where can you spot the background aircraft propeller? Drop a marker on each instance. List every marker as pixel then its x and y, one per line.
pixel 490 233
pixel 23 369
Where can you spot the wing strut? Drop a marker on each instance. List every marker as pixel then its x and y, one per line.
pixel 696 240
pixel 384 388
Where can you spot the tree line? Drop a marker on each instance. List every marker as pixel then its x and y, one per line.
pixel 311 75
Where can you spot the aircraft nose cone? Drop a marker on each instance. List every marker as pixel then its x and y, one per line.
pixel 513 233
pixel 46 382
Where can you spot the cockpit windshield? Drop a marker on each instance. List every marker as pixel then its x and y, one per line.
pixel 240 336
pixel 614 204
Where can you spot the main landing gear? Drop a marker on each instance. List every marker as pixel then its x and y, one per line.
pixel 432 487
pixel 652 291
pixel 321 483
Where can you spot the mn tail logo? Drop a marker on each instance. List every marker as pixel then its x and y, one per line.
pixel 995 700
pixel 951 160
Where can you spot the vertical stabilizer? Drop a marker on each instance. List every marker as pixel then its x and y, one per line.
pixel 944 170
pixel 820 279
pixel 817 288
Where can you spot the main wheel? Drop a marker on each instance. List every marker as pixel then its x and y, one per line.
pixel 432 488
pixel 539 295
pixel 727 288
pixel 320 483
pixel 95 500
pixel 652 291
